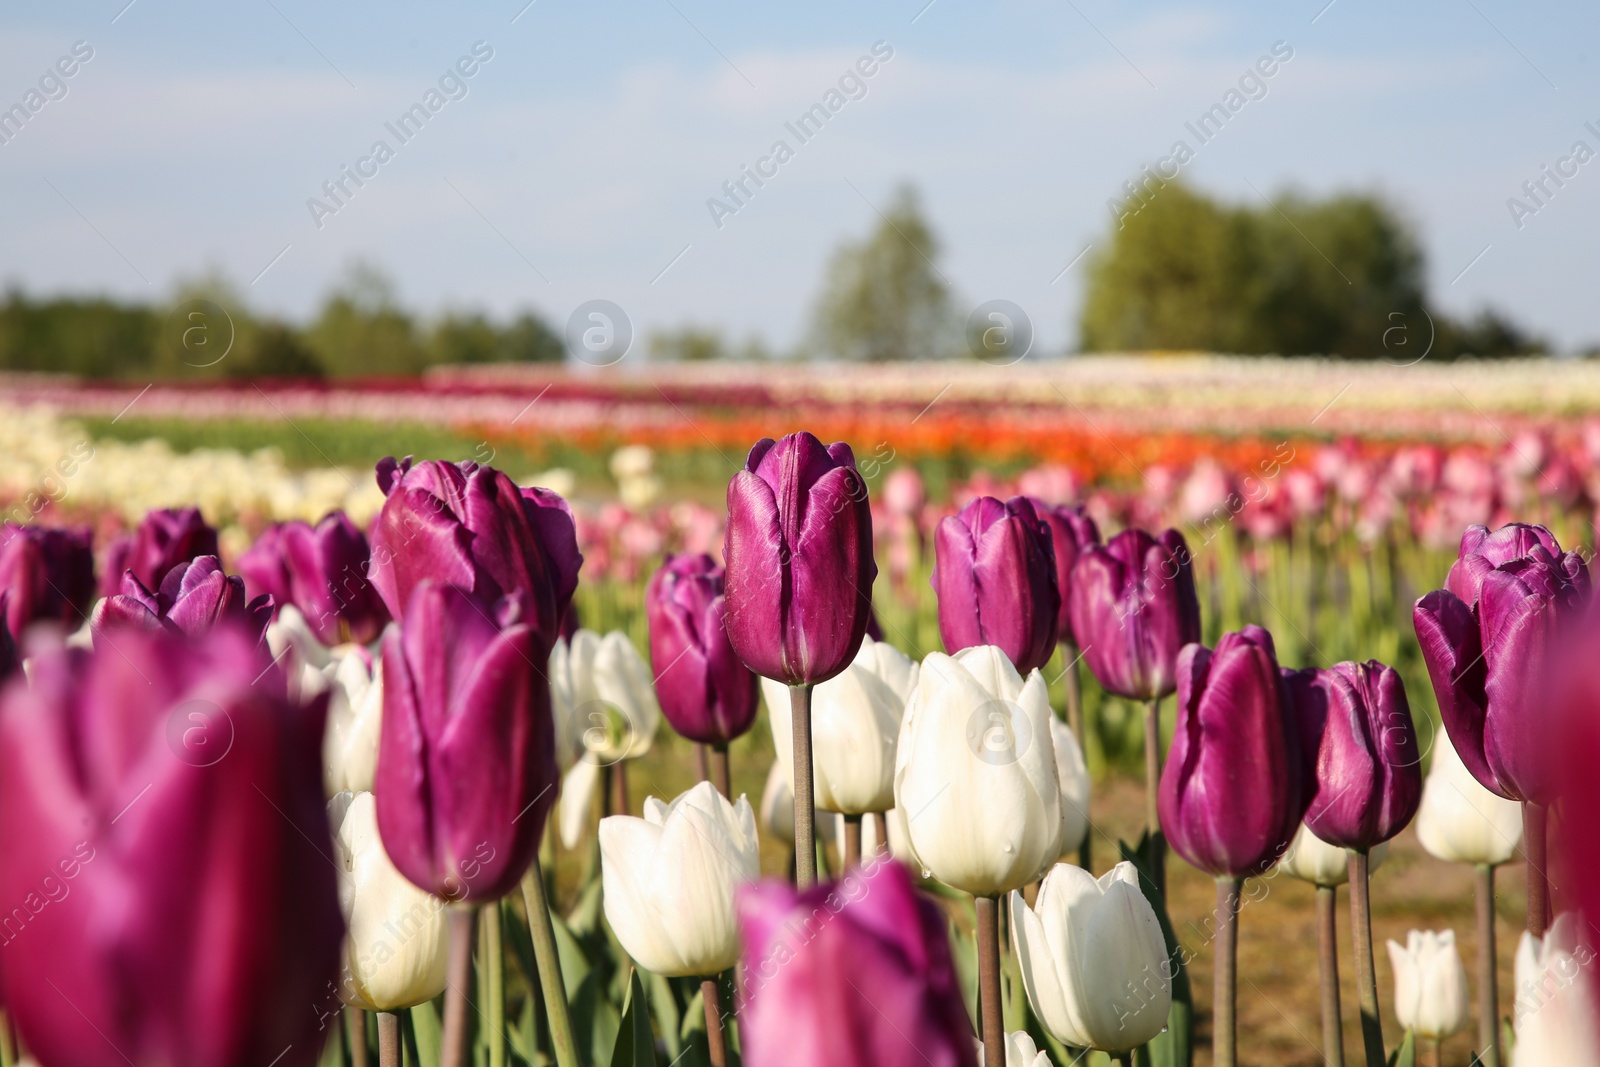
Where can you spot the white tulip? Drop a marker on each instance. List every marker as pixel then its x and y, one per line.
pixel 1555 1019
pixel 777 811
pixel 1092 958
pixel 1311 859
pixel 1072 774
pixel 975 773
pixel 1430 984
pixel 355 718
pixel 604 701
pixel 1020 1051
pixel 1460 821
pixel 669 880
pixel 855 722
pixel 298 653
pixel 396 948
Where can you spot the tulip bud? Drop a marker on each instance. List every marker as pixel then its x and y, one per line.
pixel 466 753
pixel 669 880
pixel 49 573
pixel 975 773
pixel 1485 639
pixel 855 724
pixel 1231 795
pixel 1092 957
pixel 842 973
pixel 1313 860
pixel 321 570
pixel 162 820
pixel 472 527
pixel 799 559
pixel 194 597
pixel 165 538
pixel 1555 1016
pixel 1363 768
pixel 706 691
pixel 1072 774
pixel 1460 821
pixel 396 953
pixel 1071 532
pixel 355 718
pixel 1134 607
pixel 777 812
pixel 1020 1051
pixel 995 577
pixel 1430 984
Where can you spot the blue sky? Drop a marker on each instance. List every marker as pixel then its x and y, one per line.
pixel 579 162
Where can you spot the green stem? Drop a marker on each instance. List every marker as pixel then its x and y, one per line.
pixel 1533 842
pixel 1366 972
pixel 542 933
pixel 852 842
pixel 1225 975
pixel 716 1045
pixel 1488 973
pixel 1070 654
pixel 719 762
pixel 1152 785
pixel 453 1044
pixel 388 1039
pixel 805 848
pixel 1328 955
pixel 355 1028
pixel 989 1009
pixel 493 1002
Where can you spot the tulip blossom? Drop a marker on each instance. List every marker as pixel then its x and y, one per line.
pixel 1092 958
pixel 165 538
pixel 1133 607
pixel 188 913
pixel 976 775
pixel 995 577
pixel 799 559
pixel 1363 766
pixel 1072 774
pixel 605 712
pixel 1460 821
pixel 776 814
pixel 466 754
pixel 1555 1017
pixel 1071 532
pixel 706 691
pixel 669 880
pixel 1326 866
pixel 1021 1052
pixel 1231 795
pixel 1430 984
pixel 323 571
pixel 49 574
pixel 842 973
pixel 1484 638
pixel 193 598
pixel 855 724
pixel 355 718
pixel 471 526
pixel 396 949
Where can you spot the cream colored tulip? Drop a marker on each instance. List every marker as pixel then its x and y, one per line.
pixel 777 811
pixel 355 717
pixel 1020 1051
pixel 1554 1017
pixel 1430 984
pixel 855 723
pixel 1092 958
pixel 1311 859
pixel 669 880
pixel 1460 821
pixel 396 948
pixel 976 773
pixel 1072 774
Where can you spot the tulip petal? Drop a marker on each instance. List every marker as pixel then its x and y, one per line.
pixel 1452 649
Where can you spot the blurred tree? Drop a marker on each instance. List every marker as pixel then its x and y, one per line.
pixel 361 329
pixel 883 299
pixel 208 331
pixel 1297 277
pixel 95 337
pixel 687 344
pixel 463 338
pixel 529 339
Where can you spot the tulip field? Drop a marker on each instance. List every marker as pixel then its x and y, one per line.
pixel 1240 714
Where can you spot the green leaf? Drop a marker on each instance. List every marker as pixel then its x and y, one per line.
pixel 1175 1047
pixel 425 1028
pixel 664 1006
pixel 1406 1054
pixel 333 1043
pixel 635 1046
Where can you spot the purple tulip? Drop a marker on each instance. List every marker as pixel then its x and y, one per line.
pixel 50 573
pixel 1134 607
pixel 869 985
pixel 322 571
pixel 1232 795
pixel 165 538
pixel 194 598
pixel 1485 639
pixel 1363 768
pixel 799 559
pixel 470 526
pixel 167 864
pixel 466 753
pixel 1071 532
pixel 706 691
pixel 995 576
